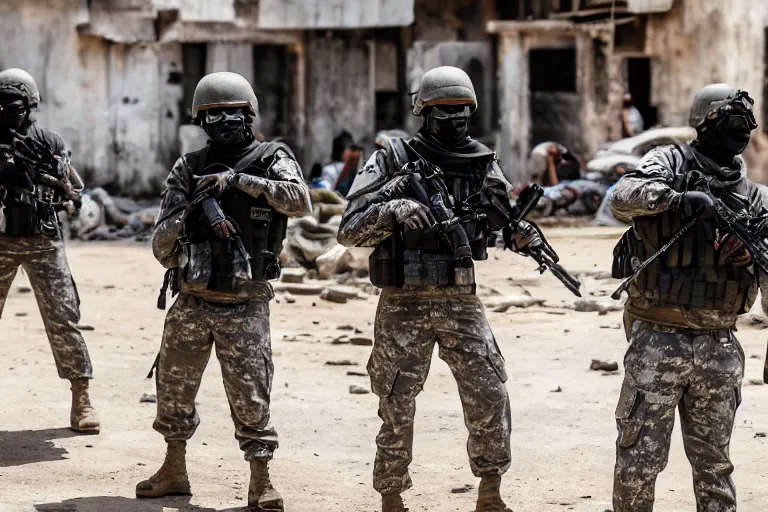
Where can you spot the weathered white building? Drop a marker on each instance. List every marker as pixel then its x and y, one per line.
pixel 564 65
pixel 117 76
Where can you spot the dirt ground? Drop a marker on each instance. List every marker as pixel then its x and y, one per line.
pixel 563 442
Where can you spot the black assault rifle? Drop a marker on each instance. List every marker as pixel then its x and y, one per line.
pixel 426 183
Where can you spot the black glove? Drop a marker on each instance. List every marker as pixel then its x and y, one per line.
pixel 698 204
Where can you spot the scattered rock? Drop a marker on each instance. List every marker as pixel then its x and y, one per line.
pixel 299 288
pixel 89 446
pixel 755 382
pixel 316 322
pixel 293 275
pixel 339 294
pixel 150 398
pixel 760 434
pixel 340 340
pixel 356 374
pixel 518 301
pixel 461 490
pixel 85 327
pixel 346 327
pixel 604 366
pixel 754 356
pixel 109 286
pixel 558 390
pixel 754 321
pixel 592 306
pixel 336 259
pixel 597 275
pixel 21 313
pixel 358 390
pixel 24 289
pixel 288 298
pixel 362 341
pixel 341 362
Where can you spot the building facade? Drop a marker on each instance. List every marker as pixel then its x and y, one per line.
pixel 117 76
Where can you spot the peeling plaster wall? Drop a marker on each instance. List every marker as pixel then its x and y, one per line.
pixel 704 42
pixel 112 103
pixel 340 94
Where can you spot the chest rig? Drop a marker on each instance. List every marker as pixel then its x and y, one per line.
pixel 418 259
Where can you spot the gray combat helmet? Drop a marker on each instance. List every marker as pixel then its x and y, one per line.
pixel 223 89
pixel 18 81
pixel 708 100
pixel 446 85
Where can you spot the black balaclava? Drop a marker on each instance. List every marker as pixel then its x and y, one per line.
pixel 725 133
pixel 447 124
pixel 228 126
pixel 14 114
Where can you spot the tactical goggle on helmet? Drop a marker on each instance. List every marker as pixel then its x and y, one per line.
pixel 733 113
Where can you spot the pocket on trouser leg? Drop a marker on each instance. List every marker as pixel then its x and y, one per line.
pixel 628 417
pixel 383 375
pixel 497 360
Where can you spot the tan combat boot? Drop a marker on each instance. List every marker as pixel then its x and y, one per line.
pixel 82 418
pixel 392 503
pixel 489 495
pixel 171 478
pixel 261 494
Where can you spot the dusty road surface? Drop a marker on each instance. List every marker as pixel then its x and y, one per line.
pixel 563 436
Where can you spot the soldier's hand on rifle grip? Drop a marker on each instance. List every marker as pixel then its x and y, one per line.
pixel 526 238
pixel 220 182
pixel 697 204
pixel 422 219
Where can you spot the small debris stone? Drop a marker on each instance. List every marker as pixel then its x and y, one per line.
pixel 21 313
pixel 341 362
pixel 357 374
pixel 150 398
pixel 340 340
pixel 463 489
pixel 754 356
pixel 85 327
pixel 24 289
pixel 760 434
pixel 358 390
pixel 288 298
pixel 339 294
pixel 361 341
pixel 346 327
pixel 755 382
pixel 558 390
pixel 293 275
pixel 89 446
pixel 604 366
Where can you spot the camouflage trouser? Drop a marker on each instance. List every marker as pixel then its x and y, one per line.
pixel 241 335
pixel 700 374
pixel 45 263
pixel 407 328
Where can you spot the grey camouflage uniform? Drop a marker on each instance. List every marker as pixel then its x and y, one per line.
pixel 697 369
pixel 238 325
pixel 45 262
pixel 407 326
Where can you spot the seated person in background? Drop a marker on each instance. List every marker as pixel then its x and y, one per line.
pixel 562 165
pixel 632 122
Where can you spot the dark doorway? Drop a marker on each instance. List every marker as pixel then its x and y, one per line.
pixel 555 104
pixel 477 124
pixel 273 89
pixel 639 86
pixel 193 57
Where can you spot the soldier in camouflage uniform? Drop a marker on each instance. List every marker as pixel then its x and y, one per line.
pixel 682 309
pixel 428 292
pixel 37 180
pixel 220 232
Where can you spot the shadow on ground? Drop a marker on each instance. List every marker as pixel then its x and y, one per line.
pixel 30 446
pixel 120 504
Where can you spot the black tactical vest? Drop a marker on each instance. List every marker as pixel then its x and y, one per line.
pixel 425 258
pixel 688 274
pixel 260 228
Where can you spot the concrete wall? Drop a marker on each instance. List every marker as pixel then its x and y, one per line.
pixel 702 42
pixel 340 93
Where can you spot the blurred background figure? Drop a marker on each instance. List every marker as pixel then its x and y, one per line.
pixel 632 122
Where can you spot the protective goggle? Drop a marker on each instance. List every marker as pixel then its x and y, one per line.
pixel 445 112
pixel 734 113
pixel 13 108
pixel 220 115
